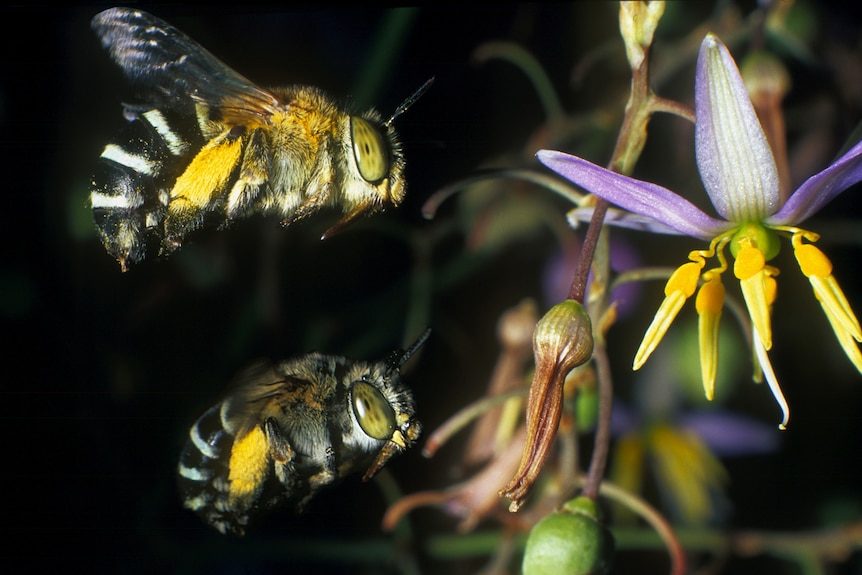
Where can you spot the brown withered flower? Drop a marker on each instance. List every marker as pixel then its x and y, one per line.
pixel 563 340
pixel 496 438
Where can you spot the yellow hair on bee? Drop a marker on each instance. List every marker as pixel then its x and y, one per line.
pixel 249 465
pixel 208 172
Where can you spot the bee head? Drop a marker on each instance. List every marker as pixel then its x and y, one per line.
pixel 371 149
pixel 375 147
pixel 376 162
pixel 386 413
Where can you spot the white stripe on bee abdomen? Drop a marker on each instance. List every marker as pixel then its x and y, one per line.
pixel 175 143
pixel 197 503
pixel 140 164
pixel 202 445
pixel 122 201
pixel 194 473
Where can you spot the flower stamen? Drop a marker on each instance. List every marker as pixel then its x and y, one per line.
pixel 751 270
pixel 709 303
pixel 771 380
pixel 818 269
pixel 681 286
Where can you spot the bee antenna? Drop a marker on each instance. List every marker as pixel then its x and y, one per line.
pixel 405 105
pixel 398 358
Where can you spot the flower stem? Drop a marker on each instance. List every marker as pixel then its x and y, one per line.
pixel 626 153
pixel 579 283
pixel 603 429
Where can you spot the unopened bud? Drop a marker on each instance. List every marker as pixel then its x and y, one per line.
pixel 638 21
pixel 764 74
pixel 563 337
pixel 767 81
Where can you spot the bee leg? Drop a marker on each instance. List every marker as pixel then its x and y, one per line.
pixel 318 481
pixel 279 447
pixel 282 455
pixel 327 475
pixel 309 207
pixel 253 173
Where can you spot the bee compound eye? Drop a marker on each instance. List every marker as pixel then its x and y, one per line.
pixel 374 414
pixel 370 149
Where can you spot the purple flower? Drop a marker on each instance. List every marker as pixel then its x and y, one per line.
pixel 739 174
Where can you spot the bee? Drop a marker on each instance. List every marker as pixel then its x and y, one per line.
pixel 208 144
pixel 285 431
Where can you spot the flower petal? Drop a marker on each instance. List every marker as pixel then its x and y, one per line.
pixel 820 189
pixel 733 155
pixel 621 218
pixel 730 435
pixel 642 198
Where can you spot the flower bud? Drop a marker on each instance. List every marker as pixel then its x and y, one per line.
pixel 570 541
pixel 563 337
pixel 638 21
pixel 562 341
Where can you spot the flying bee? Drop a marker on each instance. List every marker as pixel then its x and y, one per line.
pixel 209 144
pixel 286 431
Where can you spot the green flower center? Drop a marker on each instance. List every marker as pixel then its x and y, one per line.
pixel 756 236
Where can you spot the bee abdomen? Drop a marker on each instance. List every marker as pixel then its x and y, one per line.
pixel 130 190
pixel 203 473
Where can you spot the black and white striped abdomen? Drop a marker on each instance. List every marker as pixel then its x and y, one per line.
pixel 130 190
pixel 203 471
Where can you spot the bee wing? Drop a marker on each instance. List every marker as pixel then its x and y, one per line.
pixel 249 392
pixel 173 68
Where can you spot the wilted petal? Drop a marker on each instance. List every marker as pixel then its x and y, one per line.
pixel 642 198
pixel 471 500
pixel 733 155
pixel 820 189
pixel 563 340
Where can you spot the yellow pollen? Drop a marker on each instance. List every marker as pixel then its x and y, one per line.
pixel 709 303
pixel 710 298
pixel 770 288
pixel 749 261
pixel 684 280
pixel 813 262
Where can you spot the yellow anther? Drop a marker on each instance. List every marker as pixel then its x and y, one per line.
pixel 846 340
pixel 709 303
pixel 770 288
pixel 681 286
pixel 818 269
pixel 812 261
pixel 710 298
pixel 684 279
pixel 749 261
pixel 758 289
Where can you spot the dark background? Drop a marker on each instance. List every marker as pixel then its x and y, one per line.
pixel 104 372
